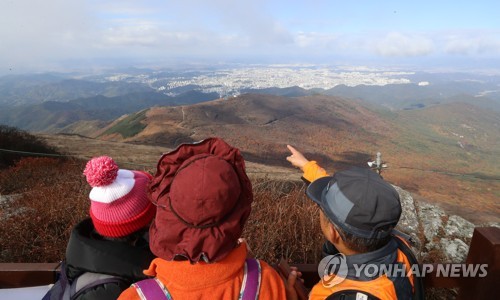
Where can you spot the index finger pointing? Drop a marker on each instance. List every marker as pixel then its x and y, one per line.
pixel 292 149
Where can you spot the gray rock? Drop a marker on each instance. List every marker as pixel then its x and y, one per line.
pixel 431 218
pixel 489 224
pixel 408 222
pixel 5 200
pixel 455 250
pixel 458 227
pixel 5 205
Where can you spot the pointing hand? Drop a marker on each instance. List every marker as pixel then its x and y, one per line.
pixel 296 159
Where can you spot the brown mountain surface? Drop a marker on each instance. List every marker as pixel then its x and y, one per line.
pixel 449 154
pixel 262 125
pixel 446 154
pixel 474 127
pixel 456 137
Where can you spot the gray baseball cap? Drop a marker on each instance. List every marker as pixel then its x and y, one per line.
pixel 359 201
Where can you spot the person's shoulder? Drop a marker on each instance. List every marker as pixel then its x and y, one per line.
pixel 267 270
pixel 319 292
pixel 272 285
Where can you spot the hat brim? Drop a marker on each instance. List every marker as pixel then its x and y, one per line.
pixel 316 188
pixel 169 236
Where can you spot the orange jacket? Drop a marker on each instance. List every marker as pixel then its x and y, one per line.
pixel 313 171
pixel 220 280
pixel 381 287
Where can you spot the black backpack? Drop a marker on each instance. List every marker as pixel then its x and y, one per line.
pixel 63 289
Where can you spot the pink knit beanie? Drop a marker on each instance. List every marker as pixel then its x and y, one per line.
pixel 119 203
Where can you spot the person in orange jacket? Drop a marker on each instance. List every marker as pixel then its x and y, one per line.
pixel 358 211
pixel 204 198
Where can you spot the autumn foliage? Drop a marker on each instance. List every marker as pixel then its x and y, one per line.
pixel 46 198
pixel 51 196
pixel 283 223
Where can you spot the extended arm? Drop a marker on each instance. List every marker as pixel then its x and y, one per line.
pixel 311 169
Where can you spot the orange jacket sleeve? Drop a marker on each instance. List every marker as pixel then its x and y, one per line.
pixel 313 171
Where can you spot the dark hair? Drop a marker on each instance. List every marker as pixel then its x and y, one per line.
pixel 360 244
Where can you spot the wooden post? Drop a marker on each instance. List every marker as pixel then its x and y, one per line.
pixel 484 249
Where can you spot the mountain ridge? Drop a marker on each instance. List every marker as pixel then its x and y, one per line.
pixel 54 116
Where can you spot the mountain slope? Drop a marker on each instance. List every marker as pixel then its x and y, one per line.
pixel 413 96
pixel 262 124
pixel 34 89
pixel 423 147
pixel 52 116
pixel 460 134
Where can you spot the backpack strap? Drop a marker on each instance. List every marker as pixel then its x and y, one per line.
pixel 418 282
pixel 154 289
pixel 60 289
pixel 251 280
pixel 63 289
pixel 151 289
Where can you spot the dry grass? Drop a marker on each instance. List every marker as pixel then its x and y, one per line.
pixel 53 197
pixel 283 223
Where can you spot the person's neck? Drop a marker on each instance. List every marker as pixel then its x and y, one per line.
pixel 343 249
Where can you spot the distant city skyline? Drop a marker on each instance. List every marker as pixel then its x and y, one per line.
pixel 58 35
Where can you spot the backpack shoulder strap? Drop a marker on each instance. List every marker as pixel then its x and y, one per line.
pixel 417 280
pixel 60 289
pixel 151 289
pixel 250 286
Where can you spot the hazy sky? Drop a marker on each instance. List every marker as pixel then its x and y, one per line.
pixel 63 34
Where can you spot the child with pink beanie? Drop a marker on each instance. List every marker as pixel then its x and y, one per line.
pixel 108 251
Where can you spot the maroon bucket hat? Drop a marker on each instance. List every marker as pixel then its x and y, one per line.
pixel 204 199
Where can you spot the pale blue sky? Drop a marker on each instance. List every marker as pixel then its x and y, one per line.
pixel 58 34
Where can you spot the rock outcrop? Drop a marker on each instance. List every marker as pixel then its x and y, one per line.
pixel 5 209
pixel 438 237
